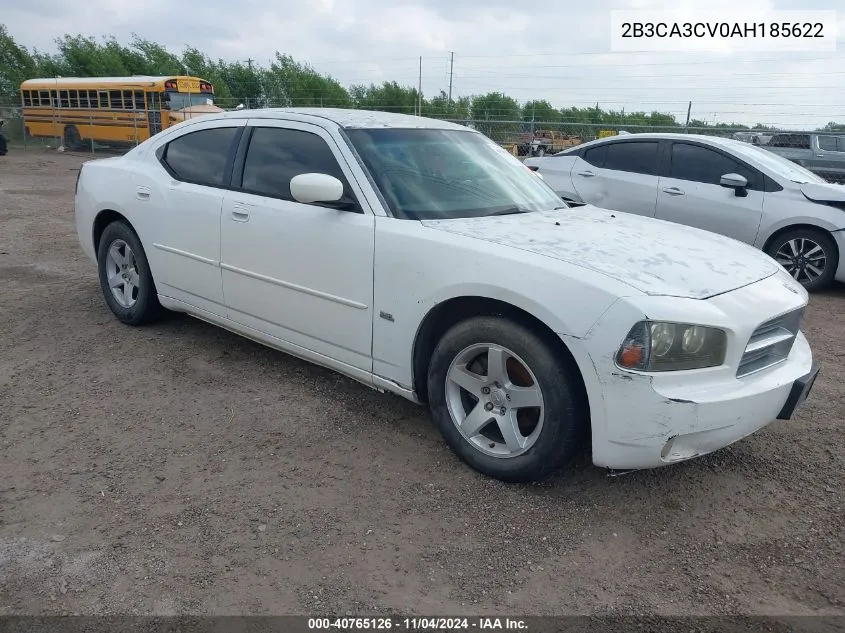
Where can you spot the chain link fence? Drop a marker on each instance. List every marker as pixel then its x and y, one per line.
pixel 820 152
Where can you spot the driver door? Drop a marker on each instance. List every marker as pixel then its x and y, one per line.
pixel 690 193
pixel 300 273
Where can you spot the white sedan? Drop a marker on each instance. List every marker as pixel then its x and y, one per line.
pixel 717 184
pixel 420 258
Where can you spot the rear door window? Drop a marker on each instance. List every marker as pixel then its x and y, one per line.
pixel 639 157
pixel 200 157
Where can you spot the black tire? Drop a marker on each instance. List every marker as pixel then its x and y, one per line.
pixel 821 238
pixel 146 307
pixel 72 139
pixel 566 412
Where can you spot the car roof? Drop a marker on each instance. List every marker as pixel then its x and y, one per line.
pixel 346 118
pixel 718 141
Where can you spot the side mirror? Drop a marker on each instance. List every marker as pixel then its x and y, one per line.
pixel 736 182
pixel 240 106
pixel 310 188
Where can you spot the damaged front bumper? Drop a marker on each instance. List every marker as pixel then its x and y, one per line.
pixel 645 420
pixel 672 422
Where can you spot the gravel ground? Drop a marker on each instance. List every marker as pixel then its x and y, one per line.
pixel 181 469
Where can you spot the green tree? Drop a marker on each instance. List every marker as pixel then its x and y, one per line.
pixel 197 64
pixel 16 65
pixel 540 111
pixel 389 96
pixel 243 83
pixel 291 83
pixel 159 61
pixel 439 107
pixel 496 115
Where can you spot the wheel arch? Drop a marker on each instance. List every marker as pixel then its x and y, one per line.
pixel 798 227
pixel 456 309
pixel 102 220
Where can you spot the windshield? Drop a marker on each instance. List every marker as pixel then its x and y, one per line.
pixel 180 100
pixel 428 174
pixel 777 164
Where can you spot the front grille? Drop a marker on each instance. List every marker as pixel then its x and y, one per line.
pixel 770 343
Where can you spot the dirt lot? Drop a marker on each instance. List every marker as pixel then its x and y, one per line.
pixel 178 468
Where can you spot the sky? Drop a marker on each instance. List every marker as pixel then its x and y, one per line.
pixel 546 49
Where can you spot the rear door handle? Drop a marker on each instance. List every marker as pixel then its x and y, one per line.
pixel 240 214
pixel 586 174
pixel 673 191
pixel 143 193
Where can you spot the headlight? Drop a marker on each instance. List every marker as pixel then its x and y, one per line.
pixel 659 346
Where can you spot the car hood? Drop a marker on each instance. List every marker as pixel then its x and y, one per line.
pixel 827 192
pixel 652 256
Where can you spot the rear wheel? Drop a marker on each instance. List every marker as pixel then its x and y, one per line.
pixel 72 139
pixel 507 404
pixel 809 255
pixel 125 277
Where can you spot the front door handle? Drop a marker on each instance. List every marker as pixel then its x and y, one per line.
pixel 673 191
pixel 143 193
pixel 586 174
pixel 240 214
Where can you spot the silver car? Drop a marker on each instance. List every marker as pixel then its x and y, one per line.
pixel 716 184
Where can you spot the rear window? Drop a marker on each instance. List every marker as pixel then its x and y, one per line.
pixel 200 157
pixel 792 141
pixel 638 157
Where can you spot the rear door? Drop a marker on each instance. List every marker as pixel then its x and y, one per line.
pixel 690 192
pixel 619 175
pixel 181 199
pixel 830 155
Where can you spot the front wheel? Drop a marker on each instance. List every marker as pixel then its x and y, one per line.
pixel 809 255
pixel 125 276
pixel 508 404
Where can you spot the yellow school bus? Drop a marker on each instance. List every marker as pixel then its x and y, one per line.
pixel 111 110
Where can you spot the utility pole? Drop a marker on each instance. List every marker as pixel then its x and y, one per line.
pixel 419 89
pixel 689 110
pixel 249 63
pixel 451 69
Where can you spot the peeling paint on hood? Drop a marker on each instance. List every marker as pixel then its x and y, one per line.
pixel 652 256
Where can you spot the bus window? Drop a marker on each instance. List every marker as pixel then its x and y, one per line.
pixel 64 101
pixel 116 101
pixel 139 100
pixel 74 98
pixel 103 98
pixel 27 99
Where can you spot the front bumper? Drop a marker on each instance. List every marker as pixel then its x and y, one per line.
pixel 668 424
pixel 646 420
